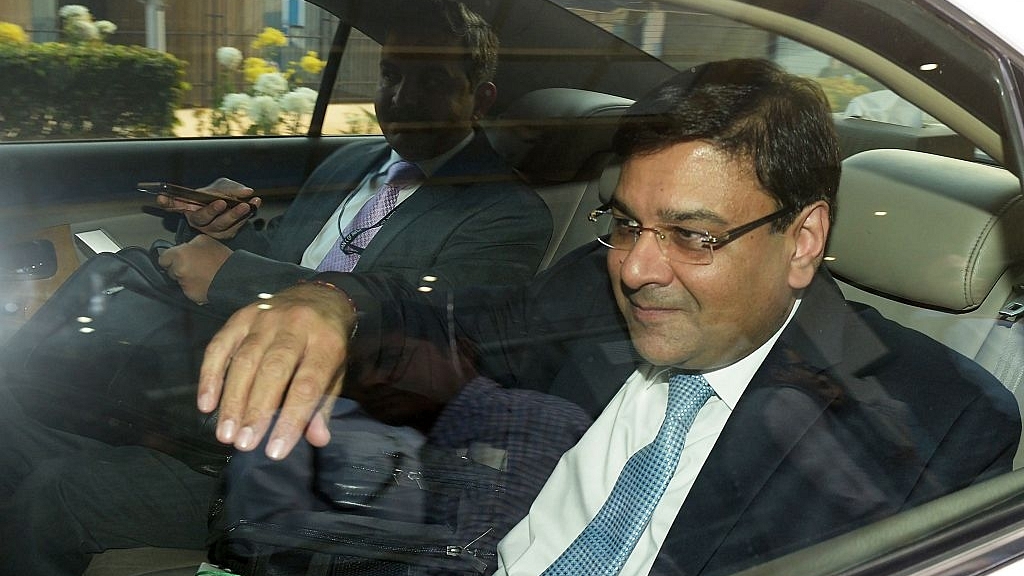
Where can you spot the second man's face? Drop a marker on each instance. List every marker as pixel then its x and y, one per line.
pixel 699 316
pixel 425 102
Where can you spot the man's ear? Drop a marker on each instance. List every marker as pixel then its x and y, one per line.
pixel 483 99
pixel 810 234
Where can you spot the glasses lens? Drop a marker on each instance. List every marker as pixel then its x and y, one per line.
pixel 687 246
pixel 601 221
pixel 675 243
pixel 621 234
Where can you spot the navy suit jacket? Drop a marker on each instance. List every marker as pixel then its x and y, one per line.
pixel 472 222
pixel 850 418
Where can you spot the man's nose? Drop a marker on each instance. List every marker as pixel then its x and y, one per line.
pixel 645 263
pixel 405 93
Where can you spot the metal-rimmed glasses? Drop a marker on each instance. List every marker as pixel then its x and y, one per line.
pixel 677 243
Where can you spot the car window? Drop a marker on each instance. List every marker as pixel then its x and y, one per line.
pixel 176 71
pixel 102 99
pixel 684 38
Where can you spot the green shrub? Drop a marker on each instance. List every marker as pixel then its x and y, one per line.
pixel 71 91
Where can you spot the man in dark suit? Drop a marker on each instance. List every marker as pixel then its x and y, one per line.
pixel 706 303
pixel 467 220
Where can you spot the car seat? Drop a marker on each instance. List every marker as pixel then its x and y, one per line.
pixel 937 244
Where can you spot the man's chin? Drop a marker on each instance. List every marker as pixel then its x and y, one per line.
pixel 414 145
pixel 657 353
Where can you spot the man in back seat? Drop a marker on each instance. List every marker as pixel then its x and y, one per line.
pixel 462 218
pixel 460 214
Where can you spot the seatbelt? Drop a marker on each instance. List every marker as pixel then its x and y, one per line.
pixel 1003 353
pixel 1013 308
pixel 1003 349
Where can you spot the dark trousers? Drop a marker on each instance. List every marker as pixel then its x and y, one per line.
pixel 64 497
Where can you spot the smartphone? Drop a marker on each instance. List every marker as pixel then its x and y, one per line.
pixel 191 195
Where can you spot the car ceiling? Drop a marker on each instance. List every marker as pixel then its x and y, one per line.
pixel 542 46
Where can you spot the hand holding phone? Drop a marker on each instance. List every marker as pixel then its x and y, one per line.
pixel 193 196
pixel 220 221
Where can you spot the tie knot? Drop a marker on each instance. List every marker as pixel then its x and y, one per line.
pixel 402 173
pixel 688 392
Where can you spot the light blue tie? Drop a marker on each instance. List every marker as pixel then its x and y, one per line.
pixel 605 544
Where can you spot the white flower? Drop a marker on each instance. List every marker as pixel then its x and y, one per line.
pixel 73 11
pixel 271 84
pixel 82 30
pixel 299 101
pixel 264 111
pixel 229 57
pixel 235 103
pixel 106 27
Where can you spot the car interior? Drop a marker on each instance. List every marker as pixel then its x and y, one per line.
pixel 929 228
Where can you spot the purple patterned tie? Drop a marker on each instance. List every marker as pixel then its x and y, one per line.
pixel 358 234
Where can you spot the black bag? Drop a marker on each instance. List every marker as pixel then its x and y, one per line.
pixel 114 355
pixel 385 500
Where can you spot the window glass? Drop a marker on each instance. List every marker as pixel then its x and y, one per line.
pixel 868 114
pixel 227 90
pixel 351 108
pixel 181 69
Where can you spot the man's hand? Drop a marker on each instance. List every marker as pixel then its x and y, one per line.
pixel 194 264
pixel 284 356
pixel 214 219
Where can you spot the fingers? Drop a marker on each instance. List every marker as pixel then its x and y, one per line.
pixel 228 187
pixel 288 361
pixel 172 204
pixel 166 259
pixel 217 221
pixel 314 387
pixel 228 373
pixel 216 360
pixel 318 434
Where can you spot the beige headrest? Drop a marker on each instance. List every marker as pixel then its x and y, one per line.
pixel 550 135
pixel 933 230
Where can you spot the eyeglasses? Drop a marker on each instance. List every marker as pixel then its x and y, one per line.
pixel 677 243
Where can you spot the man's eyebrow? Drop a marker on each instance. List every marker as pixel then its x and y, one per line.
pixel 678 216
pixel 701 214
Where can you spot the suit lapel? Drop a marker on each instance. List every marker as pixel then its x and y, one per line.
pixel 325 190
pixel 475 163
pixel 788 394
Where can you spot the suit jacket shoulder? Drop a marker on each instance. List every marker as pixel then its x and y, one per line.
pixel 473 222
pixel 851 418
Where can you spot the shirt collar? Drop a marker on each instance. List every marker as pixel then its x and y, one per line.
pixel 430 165
pixel 729 382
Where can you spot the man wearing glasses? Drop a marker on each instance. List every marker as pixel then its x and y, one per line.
pixel 744 408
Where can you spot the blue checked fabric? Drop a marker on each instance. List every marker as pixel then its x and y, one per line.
pixel 357 235
pixel 605 544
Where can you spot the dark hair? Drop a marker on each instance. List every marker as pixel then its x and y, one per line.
pixel 751 110
pixel 460 23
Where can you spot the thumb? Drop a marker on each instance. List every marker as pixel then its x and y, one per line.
pixel 318 433
pixel 166 258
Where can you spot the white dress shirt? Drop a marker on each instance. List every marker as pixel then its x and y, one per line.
pixel 585 475
pixel 330 234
